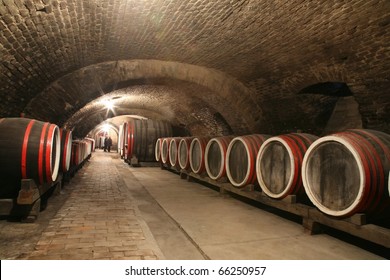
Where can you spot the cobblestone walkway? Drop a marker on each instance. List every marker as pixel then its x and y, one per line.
pixel 98 220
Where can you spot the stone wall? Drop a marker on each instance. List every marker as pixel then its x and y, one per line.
pixel 238 65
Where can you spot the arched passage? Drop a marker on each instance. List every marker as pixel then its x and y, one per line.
pixel 202 86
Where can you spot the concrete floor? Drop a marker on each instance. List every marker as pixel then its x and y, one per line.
pixel 110 210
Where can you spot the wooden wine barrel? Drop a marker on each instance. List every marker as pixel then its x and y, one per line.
pixel 76 158
pixel 66 149
pixel 279 162
pixel 184 153
pixel 346 173
pixel 140 138
pixel 241 159
pixel 173 147
pixel 165 150
pixel 81 151
pixel 215 156
pixel 29 149
pixel 90 147
pixel 157 149
pixel 120 140
pixel 196 153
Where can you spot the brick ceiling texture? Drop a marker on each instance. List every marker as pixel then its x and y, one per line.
pixel 212 67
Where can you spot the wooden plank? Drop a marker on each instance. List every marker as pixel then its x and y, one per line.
pixel 29 192
pixel 294 208
pixel 33 213
pixel 370 232
pixel 312 218
pixel 310 226
pixel 6 206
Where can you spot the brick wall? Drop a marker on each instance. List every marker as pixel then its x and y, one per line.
pixel 239 63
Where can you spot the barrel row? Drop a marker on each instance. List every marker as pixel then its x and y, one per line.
pixel 81 151
pixel 31 149
pixel 341 174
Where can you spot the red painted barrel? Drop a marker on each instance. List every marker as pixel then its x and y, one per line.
pixel 215 156
pixel 183 155
pixel 279 163
pixel 173 152
pixel 165 150
pixel 29 149
pixel 66 149
pixel 140 138
pixel 346 173
pixel 241 159
pixel 196 153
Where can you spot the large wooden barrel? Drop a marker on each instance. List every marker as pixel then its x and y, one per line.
pixel 66 149
pixel 29 149
pixel 184 153
pixel 215 156
pixel 157 149
pixel 279 163
pixel 76 158
pixel 140 138
pixel 120 140
pixel 165 150
pixel 241 159
pixel 92 142
pixel 173 147
pixel 196 153
pixel 346 173
pixel 90 146
pixel 81 150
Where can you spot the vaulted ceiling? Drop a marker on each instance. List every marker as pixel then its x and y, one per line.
pixel 213 67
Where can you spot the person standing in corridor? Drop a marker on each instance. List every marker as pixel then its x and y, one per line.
pixel 105 143
pixel 109 143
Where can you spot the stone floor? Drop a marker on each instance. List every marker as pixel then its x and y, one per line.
pixel 112 211
pixel 97 221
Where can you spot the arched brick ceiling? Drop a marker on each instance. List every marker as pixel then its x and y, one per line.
pixel 243 61
pixel 159 102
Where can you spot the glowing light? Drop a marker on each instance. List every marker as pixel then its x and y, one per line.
pixel 109 104
pixel 106 127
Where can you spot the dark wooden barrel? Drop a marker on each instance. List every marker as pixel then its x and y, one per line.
pixel 66 149
pixel 215 156
pixel 197 151
pixel 81 151
pixel 157 149
pixel 140 138
pixel 184 153
pixel 120 140
pixel 241 159
pixel 29 149
pixel 346 173
pixel 92 146
pixel 76 157
pixel 173 147
pixel 279 163
pixel 165 150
